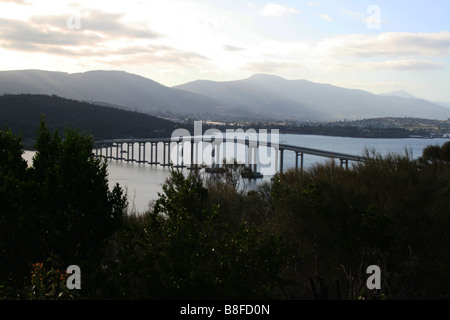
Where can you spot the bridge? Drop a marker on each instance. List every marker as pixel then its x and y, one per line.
pixel 197 151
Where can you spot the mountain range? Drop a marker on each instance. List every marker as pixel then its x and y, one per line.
pixel 259 97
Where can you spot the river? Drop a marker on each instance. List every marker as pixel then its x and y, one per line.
pixel 143 182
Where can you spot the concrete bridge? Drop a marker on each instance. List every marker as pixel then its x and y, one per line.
pixel 195 151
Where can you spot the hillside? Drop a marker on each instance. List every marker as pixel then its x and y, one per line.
pixel 308 100
pixel 118 88
pixel 23 112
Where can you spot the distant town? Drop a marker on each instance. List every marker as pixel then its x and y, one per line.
pixel 385 127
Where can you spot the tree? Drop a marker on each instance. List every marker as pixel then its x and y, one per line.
pixel 15 222
pixel 184 248
pixel 436 154
pixel 60 210
pixel 77 209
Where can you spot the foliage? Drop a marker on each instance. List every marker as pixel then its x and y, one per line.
pixel 23 112
pixel 73 187
pixel 434 154
pixel 388 211
pixel 184 248
pixel 47 284
pixel 59 207
pixel 307 234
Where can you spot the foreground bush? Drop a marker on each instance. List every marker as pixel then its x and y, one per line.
pixel 185 249
pixel 58 209
pixel 303 235
pixel 390 211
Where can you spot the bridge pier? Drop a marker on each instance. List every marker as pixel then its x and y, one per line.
pixel 153 155
pixel 121 152
pixel 301 160
pixel 178 165
pixel 166 151
pixel 281 159
pixel 192 152
pixel 141 153
pixel 344 162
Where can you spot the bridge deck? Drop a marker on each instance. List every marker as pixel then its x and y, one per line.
pixel 253 143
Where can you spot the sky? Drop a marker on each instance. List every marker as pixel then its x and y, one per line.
pixel 377 45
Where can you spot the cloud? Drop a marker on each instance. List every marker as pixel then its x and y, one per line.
pixel 326 17
pixel 270 66
pixel 392 44
pixel 24 2
pixel 362 17
pixel 54 33
pixel 93 20
pixel 101 35
pixel 276 10
pixel 409 65
pixel 313 3
pixel 21 35
pixel 228 47
pixel 95 28
pixel 398 65
pixel 155 54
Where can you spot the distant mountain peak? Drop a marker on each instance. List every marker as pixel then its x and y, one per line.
pixel 401 94
pixel 264 76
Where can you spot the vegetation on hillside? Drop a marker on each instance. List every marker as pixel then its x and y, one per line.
pixel 303 235
pixel 23 112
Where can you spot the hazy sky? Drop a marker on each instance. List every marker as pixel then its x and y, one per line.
pixel 376 45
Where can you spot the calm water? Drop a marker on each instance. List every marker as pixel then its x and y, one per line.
pixel 143 182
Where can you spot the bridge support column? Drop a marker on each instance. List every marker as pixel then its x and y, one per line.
pixel 344 162
pixel 218 162
pixel 178 154
pixel 168 153
pixel 250 156
pixel 139 153
pixel 143 146
pixel 151 153
pixel 182 154
pixel 164 154
pixel 195 150
pixel 192 152
pixel 255 159
pixel 301 160
pixel 281 160
pixel 166 146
